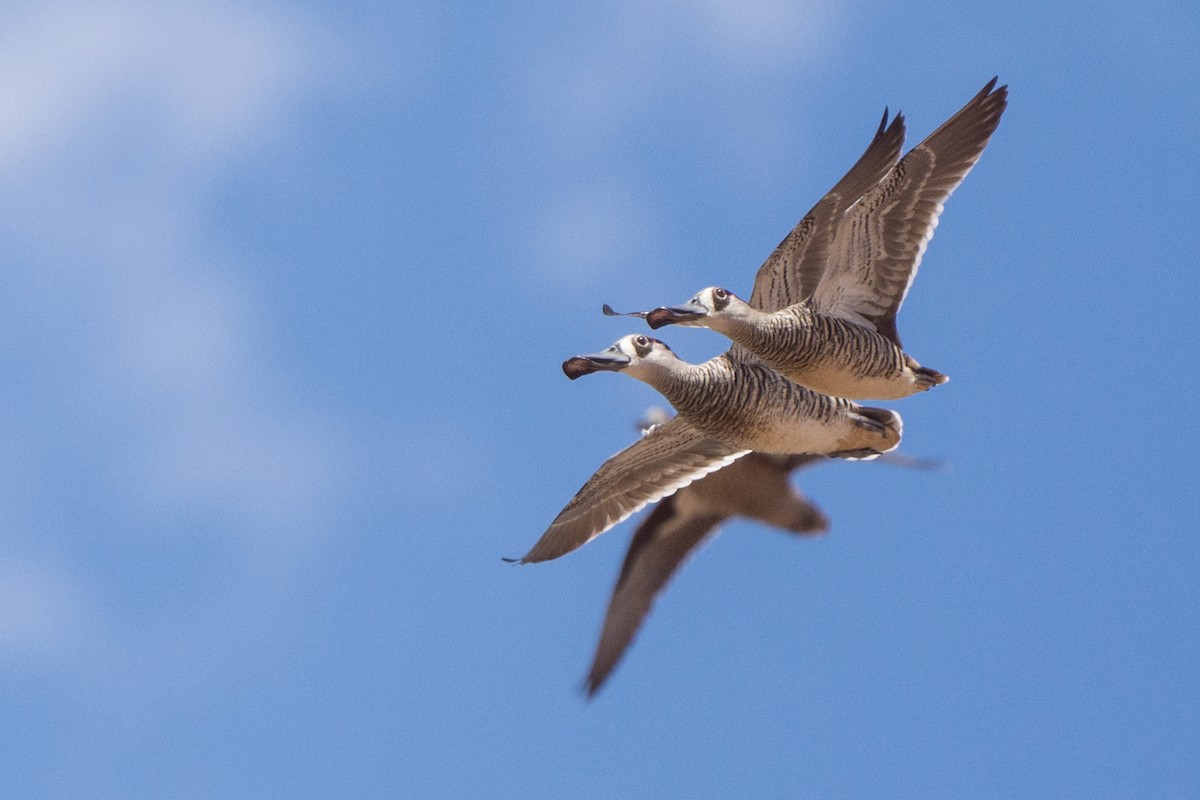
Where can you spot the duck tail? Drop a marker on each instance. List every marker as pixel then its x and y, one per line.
pixel 886 423
pixel 927 378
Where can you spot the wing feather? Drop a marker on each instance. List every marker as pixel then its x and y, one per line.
pixel 663 461
pixel 879 243
pixel 792 272
pixel 756 487
pixel 660 546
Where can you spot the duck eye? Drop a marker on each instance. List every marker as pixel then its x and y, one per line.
pixel 721 294
pixel 641 341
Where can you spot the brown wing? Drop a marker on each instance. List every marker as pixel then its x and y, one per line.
pixel 880 241
pixel 792 272
pixel 756 487
pixel 666 459
pixel 661 544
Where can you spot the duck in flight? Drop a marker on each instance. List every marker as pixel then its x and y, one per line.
pixel 727 407
pixel 823 310
pixel 676 453
pixel 754 487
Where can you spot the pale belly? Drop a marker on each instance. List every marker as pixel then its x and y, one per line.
pixel 791 435
pixel 755 408
pixel 838 381
pixel 804 436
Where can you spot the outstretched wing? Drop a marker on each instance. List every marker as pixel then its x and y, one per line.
pixel 880 241
pixel 662 543
pixel 666 459
pixel 792 272
pixel 756 487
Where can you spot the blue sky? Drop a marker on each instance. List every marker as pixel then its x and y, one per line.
pixel 288 287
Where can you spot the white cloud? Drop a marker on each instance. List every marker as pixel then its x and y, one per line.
pixel 205 76
pixel 586 235
pixel 589 91
pixel 765 33
pixel 116 121
pixel 41 610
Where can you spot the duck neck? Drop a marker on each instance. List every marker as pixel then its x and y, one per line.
pixel 761 331
pixel 738 325
pixel 686 386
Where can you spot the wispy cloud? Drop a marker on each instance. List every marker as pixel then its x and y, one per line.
pixel 590 91
pixel 117 119
pixel 576 241
pixel 203 77
pixel 42 611
pixel 765 34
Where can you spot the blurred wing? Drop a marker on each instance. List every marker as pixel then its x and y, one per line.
pixel 756 487
pixel 792 272
pixel 666 459
pixel 793 462
pixel 662 543
pixel 880 241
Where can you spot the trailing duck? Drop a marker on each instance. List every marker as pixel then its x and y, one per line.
pixel 754 487
pixel 747 404
pixel 728 407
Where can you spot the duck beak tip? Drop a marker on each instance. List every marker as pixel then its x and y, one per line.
pixel 578 366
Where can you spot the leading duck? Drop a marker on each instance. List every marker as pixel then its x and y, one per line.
pixel 838 334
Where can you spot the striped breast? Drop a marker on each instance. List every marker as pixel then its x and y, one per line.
pixel 830 355
pixel 752 406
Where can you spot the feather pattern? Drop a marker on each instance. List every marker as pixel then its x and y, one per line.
pixel 755 487
pixel 667 458
pixel 794 268
pixel 854 256
pixel 879 242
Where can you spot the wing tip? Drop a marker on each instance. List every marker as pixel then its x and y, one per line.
pixel 592 684
pixel 997 97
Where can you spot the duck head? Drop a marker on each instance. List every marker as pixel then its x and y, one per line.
pixel 635 354
pixel 708 305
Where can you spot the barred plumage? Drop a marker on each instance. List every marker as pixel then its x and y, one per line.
pixel 823 311
pixel 851 259
pixel 822 352
pixel 728 406
pixel 826 301
pixel 747 404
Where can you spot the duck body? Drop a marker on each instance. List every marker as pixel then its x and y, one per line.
pixel 824 304
pixel 754 407
pixel 825 353
pixel 749 405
